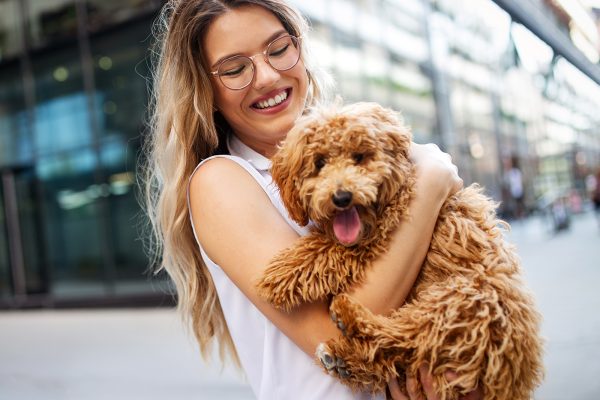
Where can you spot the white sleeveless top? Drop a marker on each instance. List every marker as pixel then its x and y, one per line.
pixel 276 368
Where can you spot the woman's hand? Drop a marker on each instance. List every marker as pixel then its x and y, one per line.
pixel 427 382
pixel 435 168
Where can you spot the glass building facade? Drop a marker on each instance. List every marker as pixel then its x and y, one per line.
pixel 73 96
pixel 74 90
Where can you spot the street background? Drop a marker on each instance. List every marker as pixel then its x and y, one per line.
pixel 145 354
pixel 509 88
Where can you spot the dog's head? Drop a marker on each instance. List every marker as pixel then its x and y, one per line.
pixel 340 166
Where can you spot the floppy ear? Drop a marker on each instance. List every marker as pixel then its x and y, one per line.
pixel 287 170
pixel 395 139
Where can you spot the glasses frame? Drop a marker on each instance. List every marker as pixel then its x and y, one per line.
pixel 264 53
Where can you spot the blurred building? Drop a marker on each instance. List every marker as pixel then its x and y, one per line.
pixel 496 93
pixel 486 88
pixel 73 97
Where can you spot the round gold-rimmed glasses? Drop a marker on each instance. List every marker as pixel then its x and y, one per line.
pixel 237 72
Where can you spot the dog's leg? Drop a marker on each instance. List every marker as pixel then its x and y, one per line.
pixel 353 319
pixel 356 363
pixel 376 348
pixel 311 270
pixel 367 356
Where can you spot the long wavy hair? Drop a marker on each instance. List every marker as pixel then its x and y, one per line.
pixel 184 129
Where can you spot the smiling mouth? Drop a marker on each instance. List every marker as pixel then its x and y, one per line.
pixel 272 101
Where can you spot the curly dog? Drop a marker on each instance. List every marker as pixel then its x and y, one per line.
pixel 347 170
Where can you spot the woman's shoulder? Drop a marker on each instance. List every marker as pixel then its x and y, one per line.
pixel 217 167
pixel 219 178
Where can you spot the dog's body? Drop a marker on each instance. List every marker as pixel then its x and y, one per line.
pixel 348 171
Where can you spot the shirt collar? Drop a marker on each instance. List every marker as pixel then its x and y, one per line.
pixel 237 148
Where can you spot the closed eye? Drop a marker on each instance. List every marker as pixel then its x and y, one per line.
pixel 279 52
pixel 234 71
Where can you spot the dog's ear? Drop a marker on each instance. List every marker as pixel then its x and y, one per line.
pixel 395 138
pixel 287 169
pixel 397 135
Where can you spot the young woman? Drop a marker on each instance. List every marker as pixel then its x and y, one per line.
pixel 232 78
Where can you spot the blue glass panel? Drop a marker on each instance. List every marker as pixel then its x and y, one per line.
pixel 72 224
pixel 63 123
pixel 71 164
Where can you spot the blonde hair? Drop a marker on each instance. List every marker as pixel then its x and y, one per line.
pixel 183 131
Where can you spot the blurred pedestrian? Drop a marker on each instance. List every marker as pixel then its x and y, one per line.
pixel 515 185
pixel 231 79
pixel 596 195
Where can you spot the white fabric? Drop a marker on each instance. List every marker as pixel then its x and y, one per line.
pixel 275 367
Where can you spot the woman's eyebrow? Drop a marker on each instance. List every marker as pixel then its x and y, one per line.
pixel 264 44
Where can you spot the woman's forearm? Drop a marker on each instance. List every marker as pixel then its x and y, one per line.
pixel 392 275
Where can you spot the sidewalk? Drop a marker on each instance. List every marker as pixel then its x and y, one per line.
pixel 135 354
pixel 563 270
pixel 108 354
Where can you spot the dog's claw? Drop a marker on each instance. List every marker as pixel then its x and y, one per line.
pixel 343 372
pixel 326 359
pixel 341 326
pixel 333 316
pixel 333 365
pixel 340 366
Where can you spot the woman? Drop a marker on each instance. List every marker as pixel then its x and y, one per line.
pixel 232 78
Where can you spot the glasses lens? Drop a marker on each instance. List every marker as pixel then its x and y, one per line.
pixel 284 53
pixel 236 72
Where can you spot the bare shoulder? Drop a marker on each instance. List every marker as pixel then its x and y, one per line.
pixel 221 183
pixel 233 215
pixel 213 171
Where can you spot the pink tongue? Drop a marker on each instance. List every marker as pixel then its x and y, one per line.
pixel 346 226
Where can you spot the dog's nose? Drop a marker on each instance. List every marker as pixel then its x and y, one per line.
pixel 342 198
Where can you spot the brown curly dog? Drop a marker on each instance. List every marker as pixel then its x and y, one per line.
pixel 347 170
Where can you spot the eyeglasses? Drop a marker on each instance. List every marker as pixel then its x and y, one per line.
pixel 237 72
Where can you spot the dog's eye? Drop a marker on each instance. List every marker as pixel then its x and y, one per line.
pixel 358 157
pixel 319 163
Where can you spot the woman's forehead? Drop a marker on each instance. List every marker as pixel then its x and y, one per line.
pixel 243 30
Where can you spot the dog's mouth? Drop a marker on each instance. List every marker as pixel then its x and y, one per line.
pixel 347 226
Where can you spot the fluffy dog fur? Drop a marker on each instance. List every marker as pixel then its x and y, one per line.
pixel 468 311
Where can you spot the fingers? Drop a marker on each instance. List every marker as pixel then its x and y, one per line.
pixel 395 391
pixel 476 394
pixel 426 379
pixel 412 388
pixel 427 382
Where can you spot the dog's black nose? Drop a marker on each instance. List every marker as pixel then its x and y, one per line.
pixel 341 198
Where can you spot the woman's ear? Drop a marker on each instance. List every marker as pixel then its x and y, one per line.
pixel 287 171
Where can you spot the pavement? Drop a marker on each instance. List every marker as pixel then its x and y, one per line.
pixel 145 354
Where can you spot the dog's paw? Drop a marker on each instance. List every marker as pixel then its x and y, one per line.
pixel 339 322
pixel 351 318
pixel 335 366
pixel 280 291
pixel 268 291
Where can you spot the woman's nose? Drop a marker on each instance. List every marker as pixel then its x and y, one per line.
pixel 265 74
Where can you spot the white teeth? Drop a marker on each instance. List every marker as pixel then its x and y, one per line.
pixel 272 101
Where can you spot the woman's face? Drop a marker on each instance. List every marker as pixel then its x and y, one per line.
pixel 247 31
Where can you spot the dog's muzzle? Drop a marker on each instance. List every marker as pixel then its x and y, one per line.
pixel 342 198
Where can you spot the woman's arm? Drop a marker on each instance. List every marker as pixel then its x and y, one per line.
pixel 396 271
pixel 241 231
